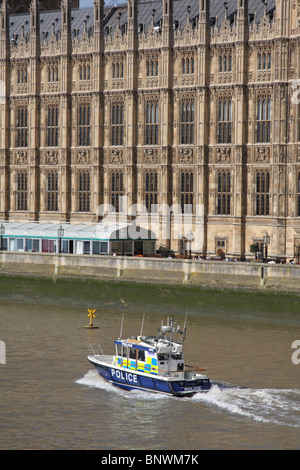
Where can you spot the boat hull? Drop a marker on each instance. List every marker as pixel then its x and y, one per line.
pixel 129 380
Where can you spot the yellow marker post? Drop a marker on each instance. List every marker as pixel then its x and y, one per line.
pixel 91 315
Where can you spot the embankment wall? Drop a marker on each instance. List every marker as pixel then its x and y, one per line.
pixel 174 271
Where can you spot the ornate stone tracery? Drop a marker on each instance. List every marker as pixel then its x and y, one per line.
pixel 88 67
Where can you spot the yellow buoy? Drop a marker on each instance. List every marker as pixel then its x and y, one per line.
pixel 91 315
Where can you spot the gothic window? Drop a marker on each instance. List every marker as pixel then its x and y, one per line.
pixel 264 61
pixel 117 124
pixel 262 192
pixel 152 123
pixel 224 121
pixel 52 191
pixel 225 63
pixel 186 191
pixel 84 127
pixel 84 191
pixel 151 190
pixel 84 72
pixel 223 193
pixel 118 69
pixel 52 127
pixel 187 121
pixel 22 188
pixel 152 68
pixel 22 127
pixel 53 74
pixel 188 66
pixel 264 119
pixel 22 76
pixel 117 190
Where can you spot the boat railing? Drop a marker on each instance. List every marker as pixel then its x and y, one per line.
pixel 99 352
pixel 195 369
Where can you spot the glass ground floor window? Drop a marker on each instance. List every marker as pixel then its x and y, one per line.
pixel 49 246
pixel 32 244
pixel 99 248
pixel 16 244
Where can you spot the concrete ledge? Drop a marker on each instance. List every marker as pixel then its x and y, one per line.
pixel 173 271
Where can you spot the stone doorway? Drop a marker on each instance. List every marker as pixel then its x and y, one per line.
pixel 297 250
pixel 220 247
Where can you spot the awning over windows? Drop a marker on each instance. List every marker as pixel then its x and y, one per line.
pixel 78 238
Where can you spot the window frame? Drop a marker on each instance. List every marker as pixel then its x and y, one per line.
pixel 22 126
pixel 22 190
pixel 224 190
pixel 152 123
pixel 187 121
pixel 262 193
pixel 225 127
pixel 84 125
pixel 186 191
pixel 84 190
pixel 52 191
pixel 117 189
pixel 151 190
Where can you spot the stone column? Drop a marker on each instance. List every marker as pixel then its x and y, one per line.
pixel 166 121
pixel 241 129
pixel 34 113
pixel 130 108
pixel 97 187
pixel 66 117
pixel 4 111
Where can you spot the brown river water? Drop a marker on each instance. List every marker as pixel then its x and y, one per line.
pixel 52 398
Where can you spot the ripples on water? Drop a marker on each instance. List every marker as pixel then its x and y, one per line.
pixel 281 407
pixel 51 400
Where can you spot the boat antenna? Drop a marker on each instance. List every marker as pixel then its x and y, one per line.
pixel 142 325
pixel 171 330
pixel 184 327
pixel 121 326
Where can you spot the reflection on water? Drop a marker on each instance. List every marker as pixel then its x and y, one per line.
pixel 52 399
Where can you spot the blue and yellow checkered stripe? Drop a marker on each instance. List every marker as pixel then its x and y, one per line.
pixel 149 367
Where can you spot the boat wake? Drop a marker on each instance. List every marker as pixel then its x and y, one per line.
pixel 277 406
pixel 94 380
pixel 273 406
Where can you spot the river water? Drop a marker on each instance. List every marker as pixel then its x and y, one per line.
pixel 52 398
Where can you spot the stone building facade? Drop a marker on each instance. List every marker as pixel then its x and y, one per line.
pixel 23 6
pixel 186 111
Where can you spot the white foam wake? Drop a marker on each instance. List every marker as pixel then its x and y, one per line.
pixel 94 380
pixel 265 405
pixel 277 406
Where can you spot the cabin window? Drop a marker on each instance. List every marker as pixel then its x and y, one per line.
pixel 132 353
pixel 141 355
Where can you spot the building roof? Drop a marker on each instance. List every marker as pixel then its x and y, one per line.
pixel 98 231
pixel 217 9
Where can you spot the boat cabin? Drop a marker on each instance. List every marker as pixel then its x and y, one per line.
pixel 151 355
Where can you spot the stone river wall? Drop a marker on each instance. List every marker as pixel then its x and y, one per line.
pixel 175 271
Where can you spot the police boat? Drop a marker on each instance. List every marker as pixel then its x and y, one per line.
pixel 152 364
